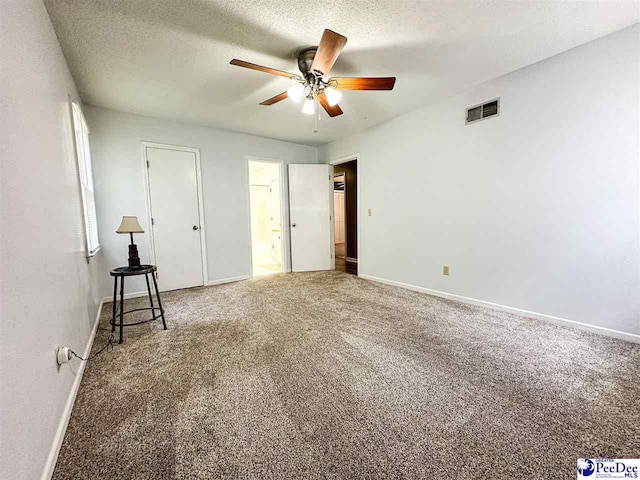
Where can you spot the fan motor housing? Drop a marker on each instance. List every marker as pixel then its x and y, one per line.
pixel 305 59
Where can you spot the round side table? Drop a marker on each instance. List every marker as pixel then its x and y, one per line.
pixel 121 273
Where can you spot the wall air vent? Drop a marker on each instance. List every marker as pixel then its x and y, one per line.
pixel 480 112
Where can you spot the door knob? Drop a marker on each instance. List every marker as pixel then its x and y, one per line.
pixel 293 224
pixel 195 227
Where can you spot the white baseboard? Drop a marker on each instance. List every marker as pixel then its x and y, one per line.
pixel 50 466
pixel 228 280
pixel 629 337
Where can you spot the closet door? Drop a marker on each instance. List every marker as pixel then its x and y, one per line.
pixel 175 212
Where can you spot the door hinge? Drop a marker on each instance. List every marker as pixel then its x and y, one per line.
pixel 152 222
pixel 147 163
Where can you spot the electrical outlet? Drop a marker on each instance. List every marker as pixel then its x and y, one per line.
pixel 445 270
pixel 63 355
pixel 369 212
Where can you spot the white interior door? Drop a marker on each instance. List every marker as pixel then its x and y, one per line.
pixel 175 213
pixel 310 191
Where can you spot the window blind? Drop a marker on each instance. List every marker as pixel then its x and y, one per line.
pixel 83 153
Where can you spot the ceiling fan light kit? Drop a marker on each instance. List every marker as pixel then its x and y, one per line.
pixel 296 92
pixel 333 95
pixel 314 64
pixel 309 107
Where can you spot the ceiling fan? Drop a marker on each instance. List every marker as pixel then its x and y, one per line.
pixel 314 64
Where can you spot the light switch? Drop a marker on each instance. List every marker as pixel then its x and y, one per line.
pixel 445 270
pixel 369 212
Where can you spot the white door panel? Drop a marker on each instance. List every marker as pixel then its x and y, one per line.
pixel 310 215
pixel 173 192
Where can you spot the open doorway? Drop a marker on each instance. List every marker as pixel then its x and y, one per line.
pixel 266 216
pixel 345 215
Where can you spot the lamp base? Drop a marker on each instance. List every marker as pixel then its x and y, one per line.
pixel 134 259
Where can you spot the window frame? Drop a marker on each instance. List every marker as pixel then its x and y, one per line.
pixel 85 179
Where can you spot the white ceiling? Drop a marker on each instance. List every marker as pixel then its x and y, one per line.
pixel 170 59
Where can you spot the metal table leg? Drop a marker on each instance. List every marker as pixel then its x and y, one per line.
pixel 115 302
pixel 121 308
pixel 146 277
pixel 155 284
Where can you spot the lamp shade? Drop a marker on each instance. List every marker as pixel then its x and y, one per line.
pixel 130 225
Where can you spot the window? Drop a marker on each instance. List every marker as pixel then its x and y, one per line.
pixel 86 180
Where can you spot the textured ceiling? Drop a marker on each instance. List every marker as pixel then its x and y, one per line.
pixel 170 59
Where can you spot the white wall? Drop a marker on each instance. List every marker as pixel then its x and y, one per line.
pixel 536 209
pixel 47 297
pixel 119 180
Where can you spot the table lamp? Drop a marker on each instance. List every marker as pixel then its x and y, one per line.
pixel 130 225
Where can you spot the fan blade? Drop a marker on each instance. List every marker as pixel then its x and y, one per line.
pixel 275 99
pixel 332 111
pixel 260 68
pixel 331 44
pixel 363 83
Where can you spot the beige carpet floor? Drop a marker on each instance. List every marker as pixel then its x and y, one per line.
pixel 325 375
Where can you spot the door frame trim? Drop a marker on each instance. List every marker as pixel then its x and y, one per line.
pixel 284 212
pixel 147 197
pixel 334 163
